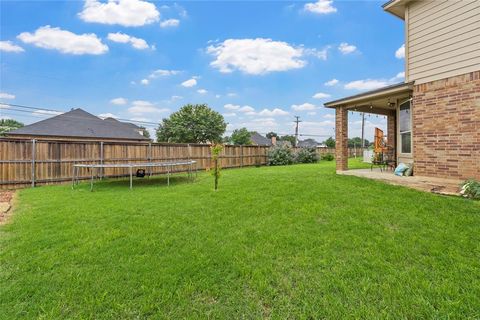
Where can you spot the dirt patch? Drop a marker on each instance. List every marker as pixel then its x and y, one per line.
pixel 6 199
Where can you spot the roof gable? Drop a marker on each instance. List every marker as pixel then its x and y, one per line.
pixel 79 123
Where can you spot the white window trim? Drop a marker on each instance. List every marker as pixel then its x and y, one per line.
pixel 399 136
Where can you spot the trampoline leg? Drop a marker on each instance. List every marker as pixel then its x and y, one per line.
pixel 131 178
pixel 73 178
pixel 91 179
pixel 168 176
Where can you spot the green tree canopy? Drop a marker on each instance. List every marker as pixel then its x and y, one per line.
pixel 241 137
pixel 192 124
pixel 271 134
pixel 9 125
pixel 146 133
pixel 330 142
pixel 357 142
pixel 288 138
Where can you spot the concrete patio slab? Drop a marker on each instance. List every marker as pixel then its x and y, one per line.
pixel 429 184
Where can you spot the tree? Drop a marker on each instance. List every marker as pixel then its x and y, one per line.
pixel 288 138
pixel 271 134
pixel 330 142
pixel 357 142
pixel 9 125
pixel 146 134
pixel 241 137
pixel 192 124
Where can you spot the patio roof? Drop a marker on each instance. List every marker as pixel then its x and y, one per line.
pixel 378 101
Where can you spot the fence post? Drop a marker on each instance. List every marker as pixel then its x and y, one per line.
pixel 241 156
pixel 101 159
pixel 149 158
pixel 33 162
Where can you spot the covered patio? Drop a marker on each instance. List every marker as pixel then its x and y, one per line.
pixel 384 101
pixel 387 101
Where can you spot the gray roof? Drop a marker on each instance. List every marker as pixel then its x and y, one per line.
pixel 260 140
pixel 307 143
pixel 81 124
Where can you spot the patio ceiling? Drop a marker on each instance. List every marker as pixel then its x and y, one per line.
pixel 379 101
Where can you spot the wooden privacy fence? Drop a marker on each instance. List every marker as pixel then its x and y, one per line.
pixel 33 162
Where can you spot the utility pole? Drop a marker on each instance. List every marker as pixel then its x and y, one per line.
pixel 297 121
pixel 363 130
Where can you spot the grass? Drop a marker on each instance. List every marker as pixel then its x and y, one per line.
pixel 274 242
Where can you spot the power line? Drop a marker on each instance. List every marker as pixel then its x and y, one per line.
pixel 53 111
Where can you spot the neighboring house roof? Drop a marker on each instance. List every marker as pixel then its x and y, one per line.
pixel 80 124
pixel 260 140
pixel 307 143
pixel 284 143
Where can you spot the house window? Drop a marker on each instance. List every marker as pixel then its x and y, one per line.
pixel 405 124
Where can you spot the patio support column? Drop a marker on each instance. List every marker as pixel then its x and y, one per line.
pixel 341 138
pixel 392 131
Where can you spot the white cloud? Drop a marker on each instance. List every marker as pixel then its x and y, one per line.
pixel 371 84
pixel 346 48
pixel 272 113
pixel 137 43
pixel 367 84
pixel 232 94
pixel 202 91
pixel 189 83
pixel 229 114
pixel 128 13
pixel 9 46
pixel 64 41
pixel 400 53
pixel 312 113
pixel 107 115
pixel 247 110
pixel 4 95
pixel 400 75
pixel 304 107
pixel 320 7
pixel 320 54
pixel 163 73
pixel 329 116
pixel 145 81
pixel 141 106
pixel 230 106
pixel 119 101
pixel 47 112
pixel 255 56
pixel 170 23
pixel 331 83
pixel 321 95
pixel 174 98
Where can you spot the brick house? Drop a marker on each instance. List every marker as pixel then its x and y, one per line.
pixel 434 116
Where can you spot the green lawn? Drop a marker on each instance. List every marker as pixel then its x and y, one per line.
pixel 294 242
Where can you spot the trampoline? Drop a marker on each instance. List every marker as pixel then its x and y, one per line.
pixel 94 168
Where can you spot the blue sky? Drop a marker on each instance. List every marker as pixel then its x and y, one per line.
pixel 258 63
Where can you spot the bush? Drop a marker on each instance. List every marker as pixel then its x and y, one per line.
pixel 328 157
pixel 280 156
pixel 471 189
pixel 306 155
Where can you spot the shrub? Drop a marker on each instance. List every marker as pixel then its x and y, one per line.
pixel 471 189
pixel 306 155
pixel 280 156
pixel 328 157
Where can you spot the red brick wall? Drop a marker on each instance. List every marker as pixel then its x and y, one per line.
pixel 446 127
pixel 341 137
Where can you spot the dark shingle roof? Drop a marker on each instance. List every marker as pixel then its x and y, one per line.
pixel 79 123
pixel 308 143
pixel 260 140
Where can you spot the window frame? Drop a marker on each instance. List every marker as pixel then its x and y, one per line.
pixel 399 132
